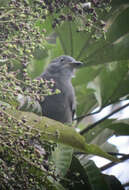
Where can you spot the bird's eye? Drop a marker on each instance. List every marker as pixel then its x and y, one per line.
pixel 62 59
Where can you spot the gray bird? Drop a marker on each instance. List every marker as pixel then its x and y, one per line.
pixel 61 107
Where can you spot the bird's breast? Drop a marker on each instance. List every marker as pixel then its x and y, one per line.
pixel 58 106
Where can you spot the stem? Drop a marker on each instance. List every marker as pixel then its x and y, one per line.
pixel 20 40
pixel 126 184
pixel 125 157
pixel 103 119
pixel 89 114
pixel 17 20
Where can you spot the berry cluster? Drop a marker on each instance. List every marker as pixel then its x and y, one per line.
pixel 70 10
pixel 23 157
pixel 20 29
pixel 19 34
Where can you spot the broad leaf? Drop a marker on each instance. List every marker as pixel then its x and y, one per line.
pixel 120 127
pixel 95 177
pixel 119 26
pixel 57 132
pixel 95 133
pixel 62 156
pixel 110 84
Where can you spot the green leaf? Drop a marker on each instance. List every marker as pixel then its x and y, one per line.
pixel 36 67
pixel 119 26
pixel 85 74
pixel 40 53
pixel 119 2
pixel 95 133
pixel 94 149
pixel 55 184
pixel 95 178
pixel 120 127
pixel 110 52
pixel 45 24
pixel 109 147
pixel 56 50
pixel 57 132
pixel 109 86
pixel 85 96
pixel 73 43
pixel 86 100
pixel 4 3
pixel 62 156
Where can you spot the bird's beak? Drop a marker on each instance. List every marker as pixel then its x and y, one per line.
pixel 76 64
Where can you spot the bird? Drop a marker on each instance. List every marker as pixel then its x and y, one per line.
pixel 60 107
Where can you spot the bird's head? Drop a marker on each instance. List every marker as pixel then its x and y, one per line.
pixel 63 67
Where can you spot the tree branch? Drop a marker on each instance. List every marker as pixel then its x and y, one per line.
pixel 126 184
pixel 103 119
pixel 89 114
pixel 125 157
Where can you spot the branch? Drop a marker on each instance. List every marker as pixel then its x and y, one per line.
pixel 17 20
pixel 107 166
pixel 17 41
pixel 126 184
pixel 89 114
pixel 103 119
pixel 116 154
pixel 50 130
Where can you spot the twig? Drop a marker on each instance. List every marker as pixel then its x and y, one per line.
pixel 93 113
pixel 103 119
pixel 125 157
pixel 126 184
pixel 18 20
pixel 19 40
pixel 116 154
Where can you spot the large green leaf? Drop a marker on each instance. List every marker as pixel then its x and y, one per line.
pixel 36 67
pixel 111 84
pixel 120 127
pixel 59 133
pixel 45 24
pixel 110 52
pixel 62 156
pixel 95 133
pixel 118 3
pixel 86 100
pixel 85 74
pixel 4 3
pixel 95 178
pixel 73 42
pixel 119 26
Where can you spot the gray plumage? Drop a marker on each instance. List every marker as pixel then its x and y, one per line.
pixel 61 107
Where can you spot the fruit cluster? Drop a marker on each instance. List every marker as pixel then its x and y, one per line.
pixel 20 29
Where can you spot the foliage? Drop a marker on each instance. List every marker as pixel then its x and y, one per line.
pixel 32 33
